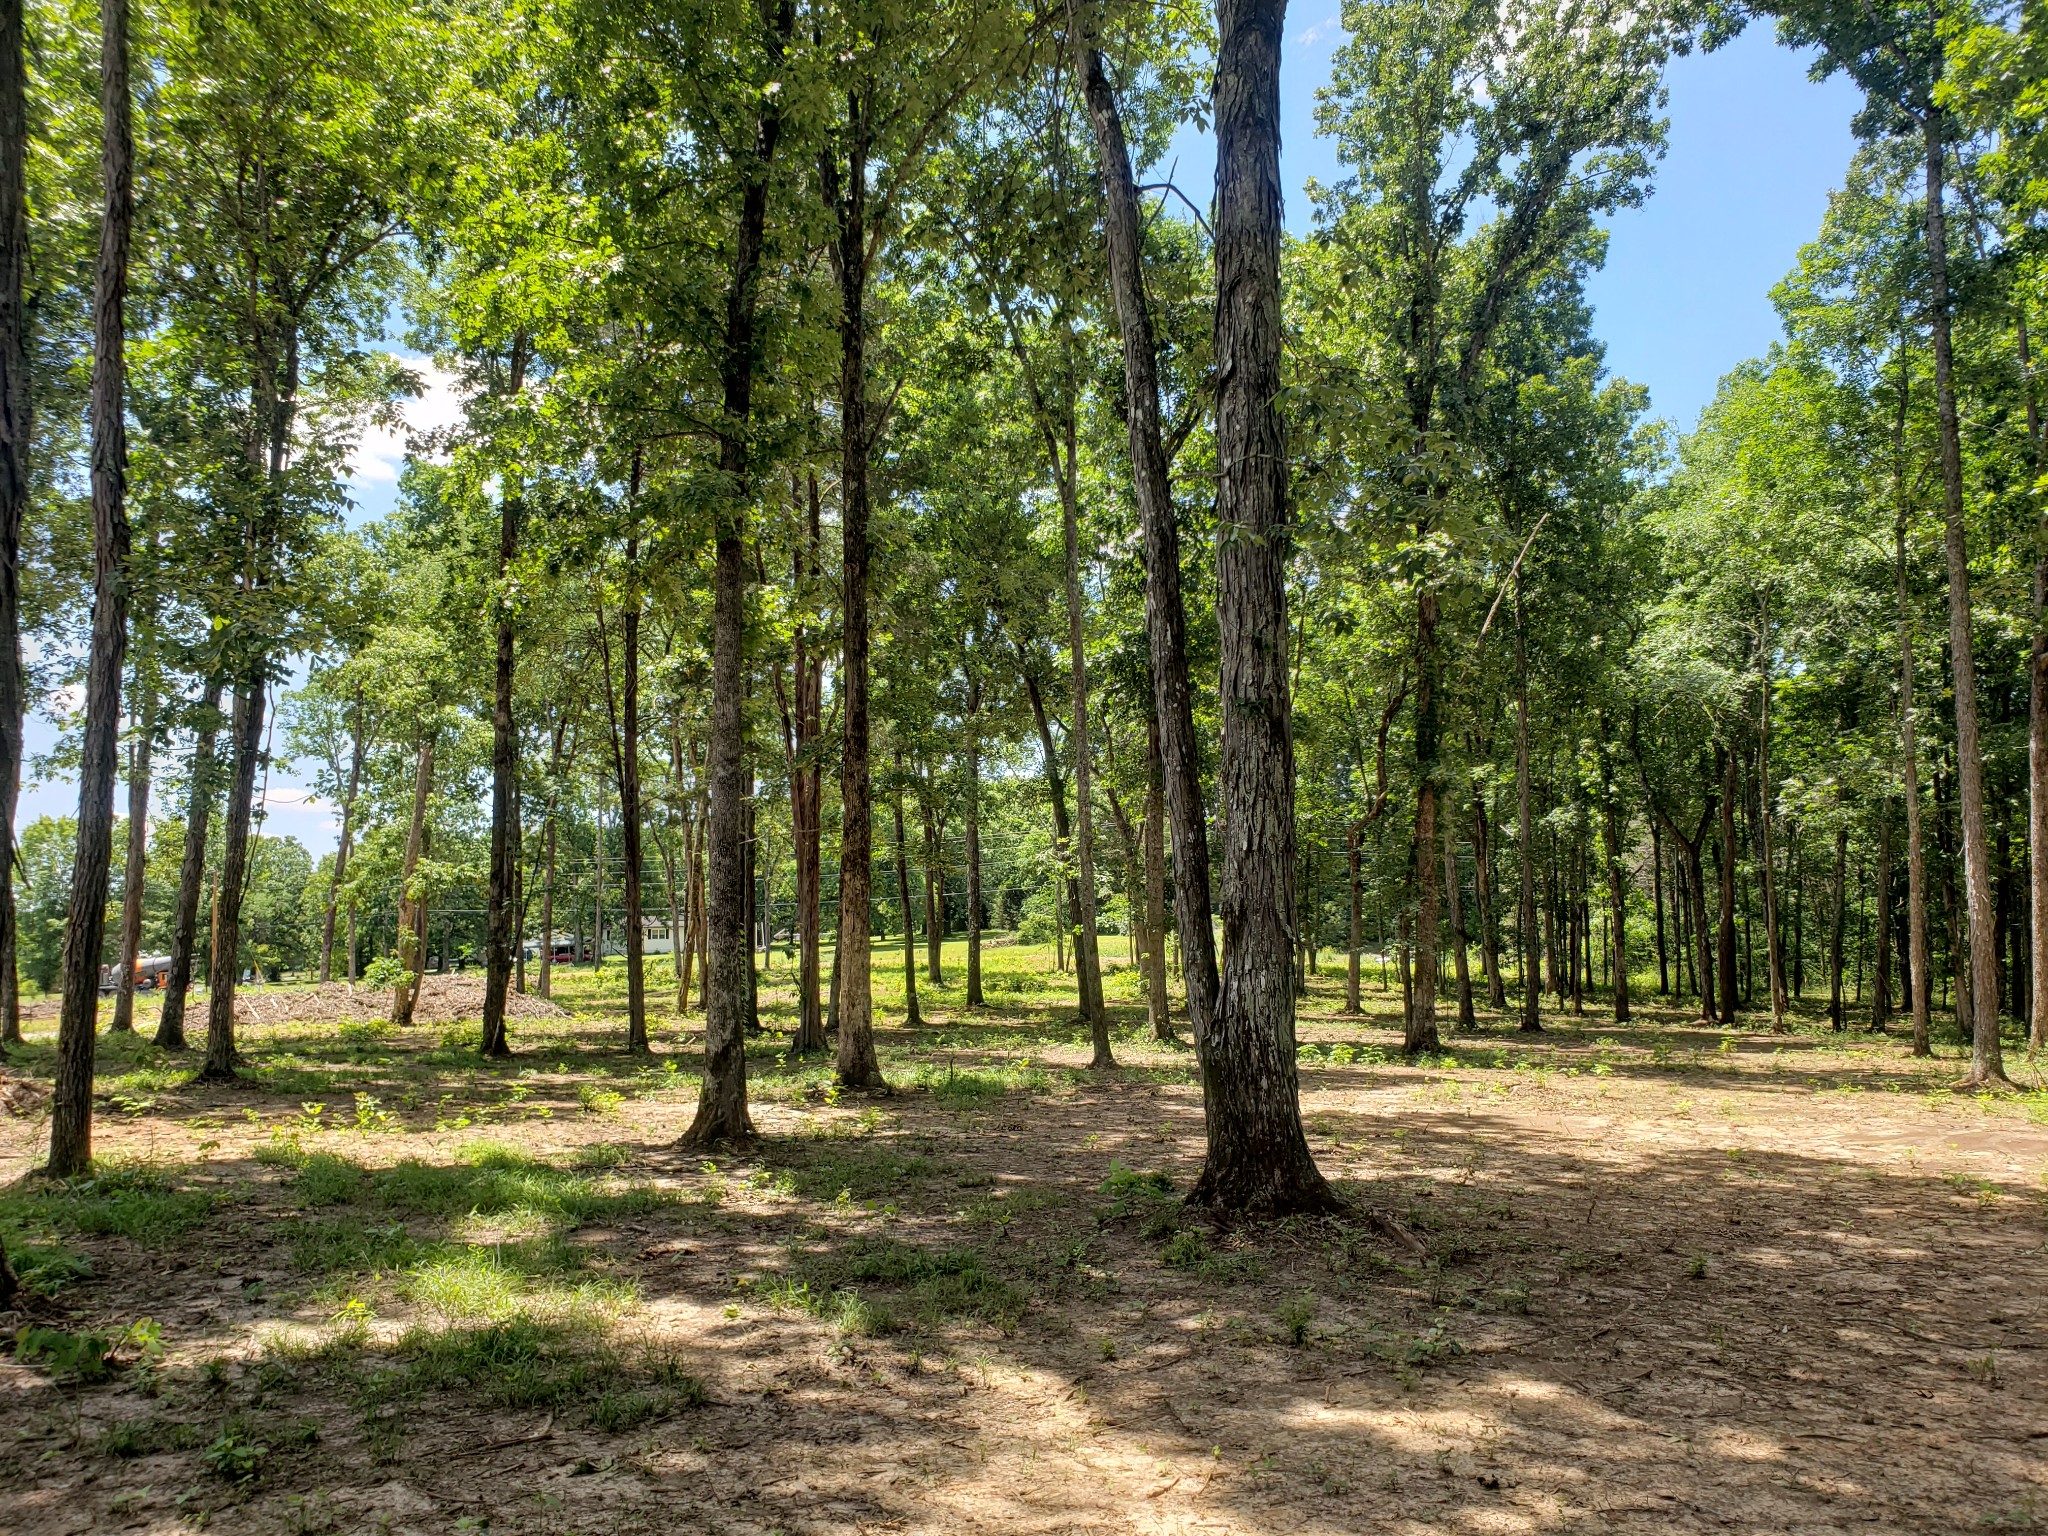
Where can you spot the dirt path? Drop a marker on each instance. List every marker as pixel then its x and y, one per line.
pixel 1669 1287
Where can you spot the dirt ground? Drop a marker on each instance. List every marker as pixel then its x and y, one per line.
pixel 1675 1280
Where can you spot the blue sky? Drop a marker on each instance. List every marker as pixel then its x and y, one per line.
pixel 1754 150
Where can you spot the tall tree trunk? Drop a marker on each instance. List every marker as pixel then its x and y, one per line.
pixel 722 1113
pixel 1355 932
pixel 16 433
pixel 223 966
pixel 358 750
pixel 1525 834
pixel 170 1024
pixel 1156 1002
pixel 1881 980
pixel 973 754
pixel 631 854
pixel 1467 1019
pixel 806 789
pixel 1987 1065
pixel 504 856
pixel 1482 896
pixel 1726 942
pixel 1165 616
pixel 1087 962
pixel 86 921
pixel 934 899
pixel 1657 906
pixel 1838 926
pixel 1258 1160
pixel 412 906
pixel 1420 1035
pixel 549 842
pixel 1702 934
pixel 846 198
pixel 2037 714
pixel 139 749
pixel 1062 831
pixel 912 1018
pixel 1766 875
pixel 1617 906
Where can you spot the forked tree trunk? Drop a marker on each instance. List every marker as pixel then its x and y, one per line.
pixel 16 433
pixel 1987 1065
pixel 86 919
pixel 1165 615
pixel 412 906
pixel 1258 1160
pixel 170 1024
pixel 223 965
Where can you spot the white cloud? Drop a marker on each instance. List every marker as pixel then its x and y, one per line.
pixel 381 453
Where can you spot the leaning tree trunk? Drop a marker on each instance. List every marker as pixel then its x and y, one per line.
pixel 1987 1065
pixel 1165 615
pixel 222 966
pixel 86 923
pixel 16 423
pixel 170 1024
pixel 1258 1159
pixel 139 751
pixel 412 907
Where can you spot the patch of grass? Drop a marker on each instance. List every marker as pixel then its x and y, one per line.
pixel 863 1172
pixel 943 1283
pixel 350 1245
pixel 137 1201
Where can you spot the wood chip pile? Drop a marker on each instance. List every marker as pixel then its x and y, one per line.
pixel 442 1000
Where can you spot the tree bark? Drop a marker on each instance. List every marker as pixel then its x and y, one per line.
pixel 1767 876
pixel 1838 927
pixel 1726 937
pixel 140 747
pixel 973 756
pixel 504 856
pixel 1258 1159
pixel 1157 1003
pixel 1355 932
pixel 1420 1036
pixel 846 199
pixel 358 749
pixel 412 907
pixel 86 923
pixel 1165 615
pixel 934 898
pixel 223 966
pixel 2037 716
pixel 912 1019
pixel 807 801
pixel 1482 896
pixel 170 1025
pixel 1987 1065
pixel 1087 960
pixel 1617 905
pixel 1467 1019
pixel 16 434
pixel 1525 834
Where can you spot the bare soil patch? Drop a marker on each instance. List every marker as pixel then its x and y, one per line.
pixel 1677 1280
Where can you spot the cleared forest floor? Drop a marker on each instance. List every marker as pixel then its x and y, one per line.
pixel 1676 1280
